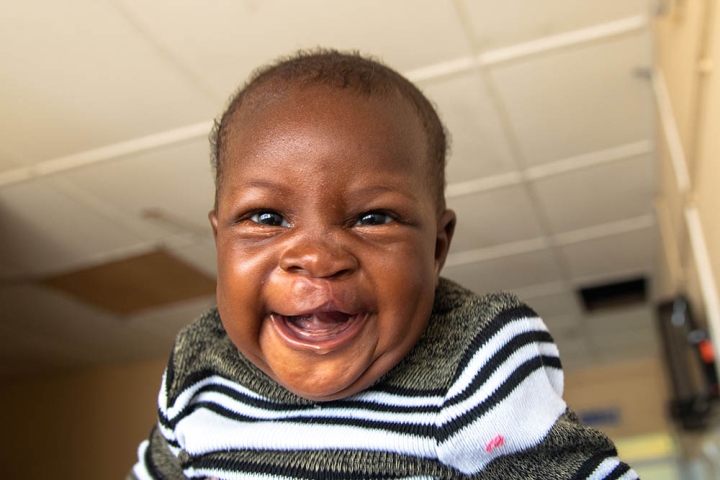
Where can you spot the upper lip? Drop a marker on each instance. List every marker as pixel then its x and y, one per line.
pixel 310 296
pixel 327 306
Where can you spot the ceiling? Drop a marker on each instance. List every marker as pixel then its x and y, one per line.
pixel 106 107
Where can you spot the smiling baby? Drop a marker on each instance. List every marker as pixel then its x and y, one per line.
pixel 336 350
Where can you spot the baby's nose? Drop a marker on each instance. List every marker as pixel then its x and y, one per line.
pixel 319 257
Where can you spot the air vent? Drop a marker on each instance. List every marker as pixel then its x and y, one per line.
pixel 613 295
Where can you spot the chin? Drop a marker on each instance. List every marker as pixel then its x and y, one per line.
pixel 322 390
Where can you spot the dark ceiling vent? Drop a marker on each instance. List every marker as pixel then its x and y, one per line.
pixel 613 295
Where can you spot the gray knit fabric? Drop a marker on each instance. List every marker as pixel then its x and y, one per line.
pixel 461 325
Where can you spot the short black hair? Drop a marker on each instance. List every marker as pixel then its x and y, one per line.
pixel 342 70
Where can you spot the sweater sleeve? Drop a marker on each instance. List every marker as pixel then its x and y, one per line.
pixel 156 461
pixel 503 415
pixel 570 451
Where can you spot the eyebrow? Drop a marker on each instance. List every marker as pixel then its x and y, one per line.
pixel 379 189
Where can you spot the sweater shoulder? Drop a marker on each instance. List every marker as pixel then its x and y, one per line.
pixel 201 349
pixel 459 319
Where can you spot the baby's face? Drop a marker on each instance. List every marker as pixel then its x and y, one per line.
pixel 328 239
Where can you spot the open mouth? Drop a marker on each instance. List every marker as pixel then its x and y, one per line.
pixel 319 330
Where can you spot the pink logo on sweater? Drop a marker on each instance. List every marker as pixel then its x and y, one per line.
pixel 496 442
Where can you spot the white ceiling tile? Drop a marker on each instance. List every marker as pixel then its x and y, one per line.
pixel 6 163
pixel 506 273
pixel 497 24
pixel 559 305
pixel 176 180
pixel 221 41
pixel 578 100
pixel 493 217
pixel 166 322
pixel 600 194
pixel 200 255
pixel 478 145
pixel 45 231
pixel 77 75
pixel 614 254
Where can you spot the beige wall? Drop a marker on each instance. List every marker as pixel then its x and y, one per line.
pixel 688 64
pixel 636 389
pixel 78 426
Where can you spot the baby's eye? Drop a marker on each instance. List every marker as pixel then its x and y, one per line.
pixel 270 219
pixel 374 218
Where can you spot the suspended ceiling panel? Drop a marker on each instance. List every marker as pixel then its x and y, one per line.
pixel 46 231
pixel 221 42
pixel 578 100
pixel 500 24
pixel 175 182
pixel 166 322
pixel 564 304
pixel 506 273
pixel 625 254
pixel 134 284
pixel 200 254
pixel 600 194
pixel 77 75
pixel 493 217
pixel 478 144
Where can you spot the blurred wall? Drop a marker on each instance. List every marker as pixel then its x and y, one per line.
pixel 78 426
pixel 687 84
pixel 635 391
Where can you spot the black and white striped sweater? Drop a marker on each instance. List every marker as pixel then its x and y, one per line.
pixel 479 396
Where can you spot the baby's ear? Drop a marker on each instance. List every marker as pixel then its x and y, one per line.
pixel 212 216
pixel 445 230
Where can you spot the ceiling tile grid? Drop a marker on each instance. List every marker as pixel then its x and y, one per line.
pixel 46 231
pixel 578 100
pixel 478 147
pixel 76 76
pixel 493 217
pixel 506 273
pixel 499 24
pixel 604 257
pixel 223 41
pixel 166 322
pixel 534 214
pixel 170 189
pixel 604 193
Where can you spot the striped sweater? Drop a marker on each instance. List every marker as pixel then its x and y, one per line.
pixel 479 396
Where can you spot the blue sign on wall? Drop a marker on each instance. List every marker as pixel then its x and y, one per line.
pixel 600 417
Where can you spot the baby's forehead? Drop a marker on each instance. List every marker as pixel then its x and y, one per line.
pixel 383 121
pixel 375 117
pixel 292 96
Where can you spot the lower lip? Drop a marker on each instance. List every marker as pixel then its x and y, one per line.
pixel 323 343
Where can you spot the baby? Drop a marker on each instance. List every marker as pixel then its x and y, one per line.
pixel 336 350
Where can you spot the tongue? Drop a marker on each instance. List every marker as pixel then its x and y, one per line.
pixel 321 321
